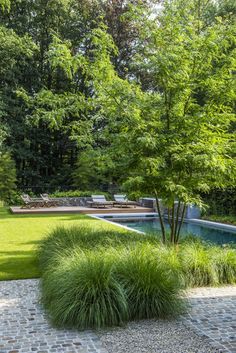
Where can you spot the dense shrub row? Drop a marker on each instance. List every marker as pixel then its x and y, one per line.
pixel 221 202
pixel 79 193
pixel 95 277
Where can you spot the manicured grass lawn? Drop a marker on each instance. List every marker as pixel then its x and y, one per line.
pixel 222 219
pixel 20 235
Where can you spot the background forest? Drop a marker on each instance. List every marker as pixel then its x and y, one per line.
pixel 50 127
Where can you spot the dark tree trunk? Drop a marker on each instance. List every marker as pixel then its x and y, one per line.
pixel 181 223
pixel 161 219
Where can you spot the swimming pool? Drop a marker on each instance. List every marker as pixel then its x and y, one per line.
pixel 152 224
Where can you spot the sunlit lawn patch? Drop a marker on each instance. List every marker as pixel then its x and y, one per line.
pixel 20 235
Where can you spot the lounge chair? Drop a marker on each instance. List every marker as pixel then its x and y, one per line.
pixel 122 201
pixel 49 202
pixel 32 202
pixel 100 201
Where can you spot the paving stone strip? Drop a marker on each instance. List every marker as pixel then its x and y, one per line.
pixel 24 328
pixel 213 314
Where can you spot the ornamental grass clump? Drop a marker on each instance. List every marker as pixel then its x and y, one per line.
pixel 225 264
pixel 82 291
pixel 151 282
pixel 63 240
pixel 197 265
pixel 93 276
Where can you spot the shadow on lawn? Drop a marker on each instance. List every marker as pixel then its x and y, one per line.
pixel 19 267
pixel 18 252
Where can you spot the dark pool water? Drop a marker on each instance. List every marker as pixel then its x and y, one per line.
pixel 217 236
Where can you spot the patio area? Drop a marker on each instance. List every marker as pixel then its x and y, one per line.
pixel 79 209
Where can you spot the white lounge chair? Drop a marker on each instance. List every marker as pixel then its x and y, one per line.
pixel 100 201
pixel 49 202
pixel 122 201
pixel 30 202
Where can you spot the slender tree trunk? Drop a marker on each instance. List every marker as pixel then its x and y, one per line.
pixel 169 217
pixel 177 221
pixel 172 229
pixel 161 219
pixel 181 223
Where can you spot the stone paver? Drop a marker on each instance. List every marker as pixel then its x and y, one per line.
pixel 213 314
pixel 24 328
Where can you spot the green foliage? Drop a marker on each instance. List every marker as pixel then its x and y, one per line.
pixel 86 238
pixel 5 4
pixel 151 282
pixel 175 129
pixel 79 193
pixel 83 292
pixel 7 177
pixel 198 266
pixel 221 202
pixel 46 94
pixel 120 94
pixel 94 277
pixel 14 48
pixel 225 262
pixel 204 265
pixel 15 198
pixel 93 169
pixel 90 279
pixel 221 219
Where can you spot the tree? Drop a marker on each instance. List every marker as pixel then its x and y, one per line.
pixel 5 4
pixel 174 138
pixel 93 170
pixel 45 151
pixel 7 176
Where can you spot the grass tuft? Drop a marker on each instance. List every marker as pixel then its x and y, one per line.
pixel 197 266
pixel 61 240
pixel 83 292
pixel 225 264
pixel 151 283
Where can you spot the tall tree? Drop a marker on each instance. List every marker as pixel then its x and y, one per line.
pixel 174 138
pixel 46 154
pixel 7 177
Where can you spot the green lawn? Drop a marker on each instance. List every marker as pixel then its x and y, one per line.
pixel 19 237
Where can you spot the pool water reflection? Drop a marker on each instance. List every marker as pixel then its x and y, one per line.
pixel 217 236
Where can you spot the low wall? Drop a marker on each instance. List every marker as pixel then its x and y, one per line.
pixel 73 201
pixel 192 211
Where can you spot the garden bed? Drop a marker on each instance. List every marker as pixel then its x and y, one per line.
pixel 96 277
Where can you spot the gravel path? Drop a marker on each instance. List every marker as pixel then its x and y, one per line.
pixel 155 337
pixel 209 326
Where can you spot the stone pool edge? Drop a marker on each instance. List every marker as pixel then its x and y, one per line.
pixel 212 224
pixel 99 216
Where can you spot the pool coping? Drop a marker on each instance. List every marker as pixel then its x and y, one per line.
pixel 215 225
pixel 211 224
pixel 117 224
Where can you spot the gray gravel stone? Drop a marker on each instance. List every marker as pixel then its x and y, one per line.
pixel 155 336
pixel 25 329
pixel 208 327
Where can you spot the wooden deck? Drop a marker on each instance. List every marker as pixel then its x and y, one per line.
pixel 78 209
